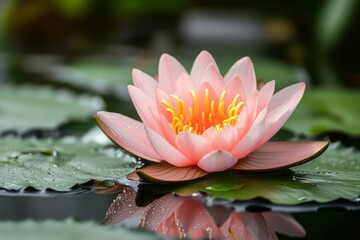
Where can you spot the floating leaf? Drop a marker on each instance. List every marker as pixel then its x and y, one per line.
pixel 333 175
pixel 68 230
pixel 23 108
pixel 326 110
pixel 58 165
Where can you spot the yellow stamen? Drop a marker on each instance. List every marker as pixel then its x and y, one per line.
pixel 197 118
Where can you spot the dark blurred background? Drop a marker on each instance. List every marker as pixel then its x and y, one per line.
pixel 320 37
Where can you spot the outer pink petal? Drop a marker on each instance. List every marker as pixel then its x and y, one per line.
pixel 144 82
pixel 276 155
pixel 167 152
pixel 213 77
pixel 145 106
pixel 245 70
pixel 169 72
pixel 281 106
pixel 127 133
pixel 201 63
pixel 193 146
pixel 265 95
pixel 217 161
pixel 252 138
pixel 284 223
pixel 165 172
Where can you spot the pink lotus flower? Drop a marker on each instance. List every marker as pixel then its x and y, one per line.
pixel 201 122
pixel 182 217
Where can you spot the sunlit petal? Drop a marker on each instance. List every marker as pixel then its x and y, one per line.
pixel 144 82
pixel 217 161
pixel 165 172
pixel 245 70
pixel 275 155
pixel 169 72
pixel 166 150
pixel 128 133
pixel 201 63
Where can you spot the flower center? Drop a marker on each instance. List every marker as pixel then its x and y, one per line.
pixel 203 114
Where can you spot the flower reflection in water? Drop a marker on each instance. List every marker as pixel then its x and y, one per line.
pixel 187 217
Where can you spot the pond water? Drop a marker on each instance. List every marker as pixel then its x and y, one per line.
pixel 195 217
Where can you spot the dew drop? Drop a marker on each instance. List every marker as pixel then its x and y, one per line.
pixel 357 199
pixel 225 187
pixel 301 199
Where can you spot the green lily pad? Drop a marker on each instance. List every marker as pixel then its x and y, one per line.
pixel 58 165
pixel 23 108
pixel 333 175
pixel 327 110
pixel 68 230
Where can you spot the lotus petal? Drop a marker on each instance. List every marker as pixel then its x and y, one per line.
pixel 217 161
pixel 128 133
pixel 169 72
pixel 245 70
pixel 166 150
pixel 213 77
pixel 193 146
pixel 276 155
pixel 280 108
pixel 201 63
pixel 144 82
pixel 164 172
pixel 143 105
